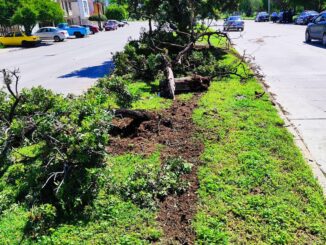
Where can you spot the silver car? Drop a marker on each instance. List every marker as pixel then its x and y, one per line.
pixel 317 29
pixel 52 33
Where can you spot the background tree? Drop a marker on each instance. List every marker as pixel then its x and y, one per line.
pixel 116 12
pixel 27 13
pixel 26 16
pixel 7 10
pixel 49 11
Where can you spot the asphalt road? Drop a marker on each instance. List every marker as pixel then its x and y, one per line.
pixel 71 66
pixel 296 74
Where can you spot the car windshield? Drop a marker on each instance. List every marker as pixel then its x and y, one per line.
pixel 309 13
pixel 234 18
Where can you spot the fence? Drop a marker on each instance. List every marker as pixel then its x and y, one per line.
pixel 5 29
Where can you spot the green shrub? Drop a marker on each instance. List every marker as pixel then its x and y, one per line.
pixel 116 12
pixel 149 183
pixel 97 18
pixel 40 219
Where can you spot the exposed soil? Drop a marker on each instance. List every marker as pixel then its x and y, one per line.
pixel 173 128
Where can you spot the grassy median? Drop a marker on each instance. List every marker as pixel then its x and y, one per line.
pixel 255 186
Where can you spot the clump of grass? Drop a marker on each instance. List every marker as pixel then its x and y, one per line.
pixel 185 97
pixel 255 187
pixel 148 99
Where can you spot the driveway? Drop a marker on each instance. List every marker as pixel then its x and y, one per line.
pixel 71 66
pixel 296 74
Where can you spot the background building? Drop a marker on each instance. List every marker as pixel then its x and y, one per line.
pixel 76 11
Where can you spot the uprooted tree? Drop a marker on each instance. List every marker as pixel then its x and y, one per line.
pixel 171 47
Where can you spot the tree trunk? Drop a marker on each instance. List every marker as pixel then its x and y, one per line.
pixel 193 83
pixel 168 85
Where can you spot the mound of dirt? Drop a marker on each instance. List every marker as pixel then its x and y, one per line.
pixel 174 129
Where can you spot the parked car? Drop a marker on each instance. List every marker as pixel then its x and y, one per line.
pixel 92 28
pixel 317 29
pixel 125 22
pixel 74 30
pixel 52 33
pixel 306 17
pixel 19 39
pixel 262 17
pixel 118 23
pixel 110 26
pixel 233 23
pixel 274 17
pixel 285 16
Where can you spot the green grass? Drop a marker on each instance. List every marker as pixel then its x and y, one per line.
pixel 255 187
pixel 185 97
pixel 147 99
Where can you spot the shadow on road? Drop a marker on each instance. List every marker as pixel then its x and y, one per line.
pixel 315 44
pixel 93 71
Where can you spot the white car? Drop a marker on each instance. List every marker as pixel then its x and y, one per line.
pixel 52 33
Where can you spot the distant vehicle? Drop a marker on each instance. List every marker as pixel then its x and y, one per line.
pixel 74 30
pixel 118 23
pixel 317 29
pixel 121 24
pixel 285 16
pixel 52 33
pixel 262 17
pixel 274 17
pixel 306 17
pixel 19 39
pixel 233 23
pixel 110 26
pixel 92 28
pixel 125 22
pixel 280 17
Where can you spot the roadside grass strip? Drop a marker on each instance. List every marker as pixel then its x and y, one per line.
pixel 255 186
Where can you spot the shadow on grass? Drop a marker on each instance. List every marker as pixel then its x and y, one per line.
pixel 92 72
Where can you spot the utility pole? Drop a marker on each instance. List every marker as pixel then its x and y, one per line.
pixel 269 7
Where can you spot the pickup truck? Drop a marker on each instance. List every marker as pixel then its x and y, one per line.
pixel 74 30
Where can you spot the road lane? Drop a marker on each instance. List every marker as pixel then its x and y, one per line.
pixel 71 66
pixel 296 74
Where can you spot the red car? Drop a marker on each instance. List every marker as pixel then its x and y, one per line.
pixel 94 29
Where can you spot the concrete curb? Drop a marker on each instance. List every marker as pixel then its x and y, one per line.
pixel 315 167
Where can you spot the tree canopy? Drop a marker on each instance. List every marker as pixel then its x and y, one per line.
pixel 27 13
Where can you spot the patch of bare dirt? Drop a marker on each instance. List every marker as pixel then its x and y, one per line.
pixel 174 129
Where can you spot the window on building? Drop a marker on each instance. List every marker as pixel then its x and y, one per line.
pixel 85 5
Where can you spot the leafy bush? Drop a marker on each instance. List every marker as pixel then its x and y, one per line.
pixel 116 12
pixel 149 183
pixel 117 87
pixel 137 61
pixel 40 219
pixel 97 18
pixel 74 134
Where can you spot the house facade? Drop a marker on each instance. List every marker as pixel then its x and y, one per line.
pixel 77 11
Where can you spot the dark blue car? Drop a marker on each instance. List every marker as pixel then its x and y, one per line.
pixel 317 29
pixel 306 17
pixel 262 17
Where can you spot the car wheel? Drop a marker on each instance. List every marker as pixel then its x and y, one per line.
pixel 78 35
pixel 25 44
pixel 308 37
pixel 324 39
pixel 56 39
